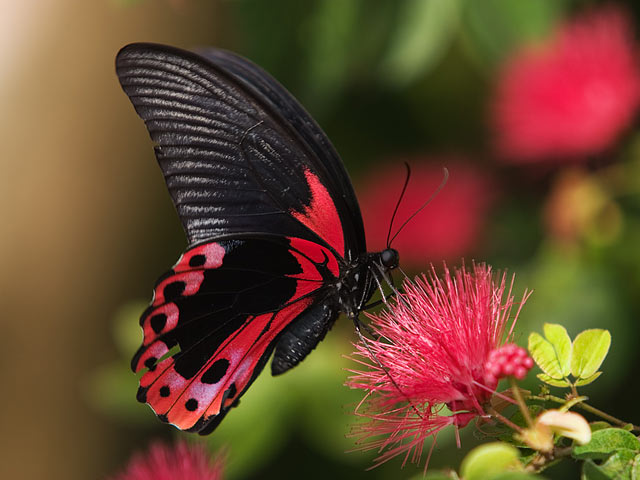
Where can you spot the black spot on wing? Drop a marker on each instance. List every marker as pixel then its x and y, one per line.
pixel 158 322
pixel 174 290
pixel 150 363
pixel 216 372
pixel 197 260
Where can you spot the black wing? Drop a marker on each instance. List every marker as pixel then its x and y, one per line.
pixel 239 154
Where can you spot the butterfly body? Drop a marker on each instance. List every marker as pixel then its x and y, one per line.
pixel 276 242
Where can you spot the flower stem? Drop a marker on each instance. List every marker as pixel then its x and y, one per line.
pixel 505 420
pixel 541 460
pixel 585 406
pixel 518 398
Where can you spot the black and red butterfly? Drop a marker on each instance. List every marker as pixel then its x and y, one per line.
pixel 276 242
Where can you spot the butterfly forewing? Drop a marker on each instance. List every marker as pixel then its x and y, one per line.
pixel 235 148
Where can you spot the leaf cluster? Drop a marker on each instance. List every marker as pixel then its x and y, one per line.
pixel 559 358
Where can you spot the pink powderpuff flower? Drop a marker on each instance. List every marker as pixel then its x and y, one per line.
pixel 448 228
pixel 435 347
pixel 571 97
pixel 183 461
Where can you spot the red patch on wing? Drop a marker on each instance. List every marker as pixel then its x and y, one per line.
pixel 169 312
pixel 211 255
pixel 184 401
pixel 321 215
pixel 309 253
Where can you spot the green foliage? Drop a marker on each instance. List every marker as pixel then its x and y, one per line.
pixel 495 27
pixel 606 442
pixel 112 387
pixel 591 471
pixel 612 453
pixel 589 351
pixel 489 460
pixel 619 464
pixel 549 356
pixel 437 476
pixel 558 357
pixel 424 31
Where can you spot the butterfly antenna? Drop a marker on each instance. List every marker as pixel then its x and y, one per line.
pixel 429 200
pixel 395 211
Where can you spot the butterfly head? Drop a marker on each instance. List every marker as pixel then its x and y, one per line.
pixel 389 258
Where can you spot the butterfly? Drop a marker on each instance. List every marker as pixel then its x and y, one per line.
pixel 276 240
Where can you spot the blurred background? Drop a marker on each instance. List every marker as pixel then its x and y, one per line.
pixel 531 105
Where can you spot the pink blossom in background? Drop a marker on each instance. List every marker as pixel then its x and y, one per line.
pixel 572 96
pixel 435 347
pixel 448 228
pixel 182 461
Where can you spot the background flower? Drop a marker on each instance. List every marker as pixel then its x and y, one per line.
pixel 182 461
pixel 571 96
pixel 448 228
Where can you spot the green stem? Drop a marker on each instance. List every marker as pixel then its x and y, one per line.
pixel 518 398
pixel 585 406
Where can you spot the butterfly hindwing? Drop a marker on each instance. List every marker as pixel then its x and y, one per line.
pixel 217 316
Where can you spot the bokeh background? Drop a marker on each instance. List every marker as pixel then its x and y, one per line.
pixel 531 105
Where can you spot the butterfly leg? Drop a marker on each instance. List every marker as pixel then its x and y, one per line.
pixel 379 302
pixel 360 327
pixel 365 341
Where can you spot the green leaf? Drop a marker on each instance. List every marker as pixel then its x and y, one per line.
pixel 587 381
pixel 490 459
pixel 605 442
pixel 589 350
pixel 545 356
pixel 552 381
pixel 620 463
pixel 599 425
pixel 424 33
pixel 635 469
pixel 516 476
pixel 591 471
pixel 558 337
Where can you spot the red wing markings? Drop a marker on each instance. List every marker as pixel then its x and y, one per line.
pixel 226 373
pixel 164 317
pixel 229 369
pixel 321 216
